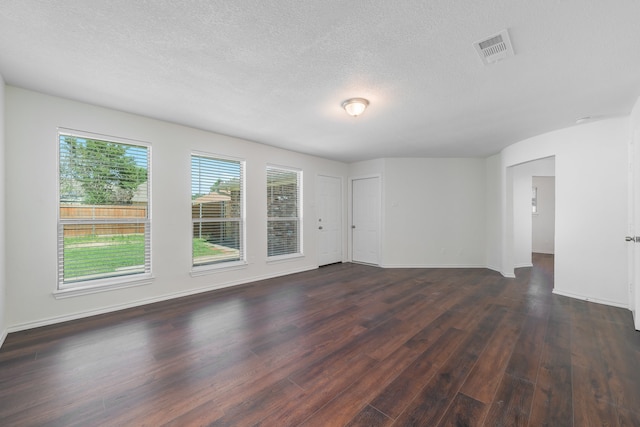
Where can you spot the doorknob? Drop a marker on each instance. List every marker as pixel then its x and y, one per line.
pixel 320 228
pixel 632 239
pixel 353 226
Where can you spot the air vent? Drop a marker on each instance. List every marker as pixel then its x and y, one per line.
pixel 494 48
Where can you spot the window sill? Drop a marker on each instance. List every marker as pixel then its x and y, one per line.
pixel 95 288
pixel 284 258
pixel 212 269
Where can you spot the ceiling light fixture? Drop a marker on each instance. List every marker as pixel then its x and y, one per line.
pixel 355 106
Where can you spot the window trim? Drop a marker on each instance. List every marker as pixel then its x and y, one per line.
pixel 204 269
pixel 90 286
pixel 300 218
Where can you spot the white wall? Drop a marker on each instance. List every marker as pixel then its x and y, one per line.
pixel 591 207
pixel 434 213
pixel 493 212
pixel 543 222
pixel 522 218
pixel 3 304
pixel 31 144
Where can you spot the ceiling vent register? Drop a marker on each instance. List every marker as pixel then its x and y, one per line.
pixel 494 48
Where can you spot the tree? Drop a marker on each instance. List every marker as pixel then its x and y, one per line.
pixel 225 186
pixel 106 172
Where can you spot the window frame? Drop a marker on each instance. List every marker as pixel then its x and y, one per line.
pixel 202 269
pixel 99 284
pixel 299 218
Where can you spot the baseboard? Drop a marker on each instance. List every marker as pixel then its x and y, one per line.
pixel 499 270
pixel 3 336
pixel 489 267
pixel 591 299
pixel 433 266
pixel 494 268
pixel 523 265
pixel 145 301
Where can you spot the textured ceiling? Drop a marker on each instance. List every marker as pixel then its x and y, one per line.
pixel 277 71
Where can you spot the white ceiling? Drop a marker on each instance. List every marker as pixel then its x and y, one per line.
pixel 277 71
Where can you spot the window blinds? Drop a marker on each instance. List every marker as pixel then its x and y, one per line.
pixel 103 225
pixel 217 210
pixel 283 211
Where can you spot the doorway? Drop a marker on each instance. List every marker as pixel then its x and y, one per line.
pixel 329 202
pixel 365 220
pixel 533 211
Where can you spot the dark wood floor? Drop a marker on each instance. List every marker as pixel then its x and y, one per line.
pixel 343 345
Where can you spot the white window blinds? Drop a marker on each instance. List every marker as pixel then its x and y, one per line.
pixel 217 211
pixel 103 220
pixel 283 211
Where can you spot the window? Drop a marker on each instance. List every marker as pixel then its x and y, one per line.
pixel 283 212
pixel 217 210
pixel 103 215
pixel 534 200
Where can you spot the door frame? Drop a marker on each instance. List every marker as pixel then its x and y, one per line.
pixel 508 243
pixel 350 214
pixel 342 214
pixel 633 227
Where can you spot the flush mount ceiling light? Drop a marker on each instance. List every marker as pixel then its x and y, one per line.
pixel 355 106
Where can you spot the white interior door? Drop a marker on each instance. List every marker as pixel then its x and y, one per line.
pixel 365 224
pixel 329 207
pixel 633 236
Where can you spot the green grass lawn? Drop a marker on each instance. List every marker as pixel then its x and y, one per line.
pixel 202 248
pixel 96 255
pixel 91 255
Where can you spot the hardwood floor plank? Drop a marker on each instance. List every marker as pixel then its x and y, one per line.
pixel 589 375
pixel 369 417
pixel 512 404
pixel 430 404
pixel 622 367
pixel 397 395
pixel 321 392
pixel 593 412
pixel 595 377
pixel 525 358
pixel 464 411
pixel 553 396
pixel 345 406
pixel 485 376
pixel 628 418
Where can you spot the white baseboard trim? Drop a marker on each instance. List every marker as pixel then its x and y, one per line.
pixel 498 270
pixel 489 267
pixel 523 265
pixel 494 268
pixel 432 266
pixel 65 318
pixel 3 336
pixel 591 299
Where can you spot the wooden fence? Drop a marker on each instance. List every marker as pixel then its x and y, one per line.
pixel 103 213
